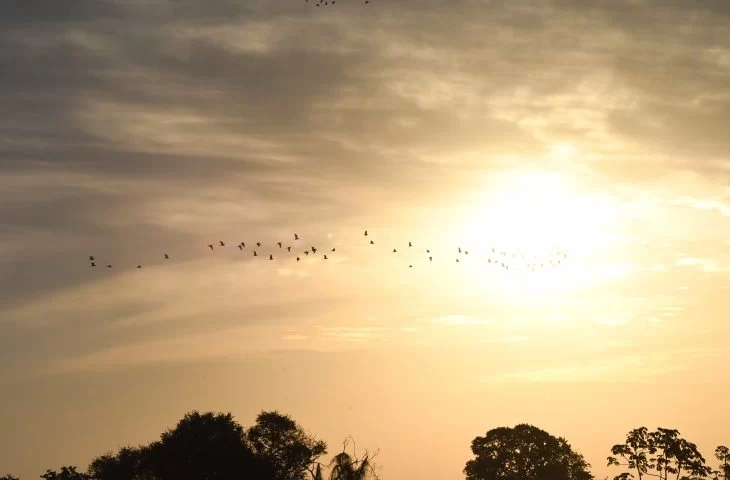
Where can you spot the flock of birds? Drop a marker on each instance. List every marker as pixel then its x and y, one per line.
pixel 498 258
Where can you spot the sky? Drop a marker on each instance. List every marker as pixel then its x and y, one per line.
pixel 136 128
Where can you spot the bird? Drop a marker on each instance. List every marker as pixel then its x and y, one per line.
pixel 279 243
pixel 222 244
pixel 288 249
pixel 395 251
pixel 333 250
pixel 372 243
pixel 271 257
pixel 240 247
pixel 306 252
pixel 459 249
pixel 457 260
pixel 466 252
pixel 91 257
pixel 139 266
pixel 243 244
pixel 410 266
pixel 93 264
pixel 167 257
pixel 108 266
pixel 258 244
pixel 430 259
pixel 428 251
pixel 296 237
pixel 314 250
pixel 410 244
pixel 298 259
pixel 210 246
pixel 366 233
pixel 325 257
pixel 255 254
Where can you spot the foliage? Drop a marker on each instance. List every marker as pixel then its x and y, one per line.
pixel 284 444
pixel 66 473
pixel 524 452
pixel 663 451
pixel 722 453
pixel 348 467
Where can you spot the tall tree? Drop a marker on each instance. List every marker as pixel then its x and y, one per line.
pixel 722 453
pixel 128 464
pixel 284 444
pixel 524 452
pixel 663 450
pixel 9 477
pixel 206 446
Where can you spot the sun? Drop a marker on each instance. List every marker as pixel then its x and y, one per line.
pixel 536 218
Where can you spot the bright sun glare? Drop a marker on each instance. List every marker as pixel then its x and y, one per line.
pixel 534 215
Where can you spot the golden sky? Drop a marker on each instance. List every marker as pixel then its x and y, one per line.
pixel 132 128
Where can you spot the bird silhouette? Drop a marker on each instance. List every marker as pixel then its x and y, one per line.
pixel 243 244
pixel 296 237
pixel 288 249
pixel 333 249
pixel 258 244
pixel 139 266
pixel 222 244
pixel 93 264
pixel 271 257
pixel 279 243
pixel 297 259
pixel 410 244
pixel 314 250
pixel 167 257
pixel 459 249
pixel 410 266
pixel 255 254
pixel 108 266
pixel 325 257
pixel 395 251
pixel 240 247
pixel 372 243
pixel 366 233
pixel 91 258
pixel 430 259
pixel 210 246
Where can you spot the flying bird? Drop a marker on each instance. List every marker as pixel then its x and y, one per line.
pixel 325 257
pixel 395 251
pixel 222 244
pixel 271 257
pixel 167 257
pixel 430 259
pixel 243 244
pixel 258 244
pixel 288 249
pixel 366 233
pixel 314 250
pixel 410 244
pixel 139 266
pixel 279 243
pixel 372 243
pixel 296 237
pixel 240 247
pixel 210 246
pixel 333 249
pixel 93 264
pixel 255 254
pixel 297 259
pixel 108 266
pixel 91 258
pixel 306 252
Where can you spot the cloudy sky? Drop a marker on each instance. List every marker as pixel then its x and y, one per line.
pixel 134 128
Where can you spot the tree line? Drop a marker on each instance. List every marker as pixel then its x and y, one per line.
pixel 213 446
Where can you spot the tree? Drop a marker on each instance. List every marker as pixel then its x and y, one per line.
pixel 722 453
pixel 284 444
pixel 348 467
pixel 67 473
pixel 128 464
pixel 524 452
pixel 662 450
pixel 206 446
pixel 9 477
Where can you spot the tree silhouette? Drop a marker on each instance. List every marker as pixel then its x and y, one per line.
pixel 67 473
pixel 128 464
pixel 348 467
pixel 206 446
pixel 722 453
pixel 9 477
pixel 662 450
pixel 524 452
pixel 279 440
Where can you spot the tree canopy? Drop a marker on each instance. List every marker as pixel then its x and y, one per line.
pixel 524 452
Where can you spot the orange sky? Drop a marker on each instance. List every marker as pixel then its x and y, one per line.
pixel 136 128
